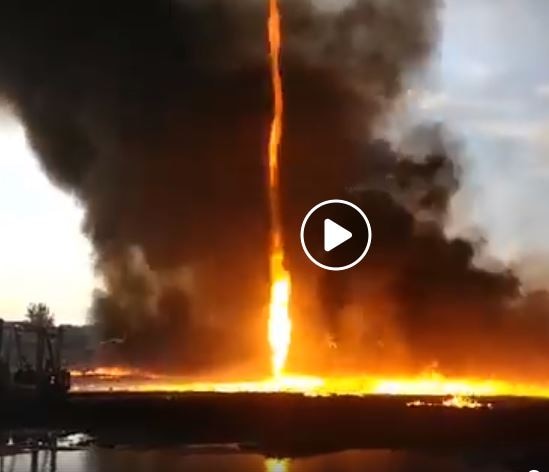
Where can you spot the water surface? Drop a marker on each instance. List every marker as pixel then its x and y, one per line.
pixel 95 459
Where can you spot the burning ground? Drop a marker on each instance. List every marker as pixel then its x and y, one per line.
pixel 156 116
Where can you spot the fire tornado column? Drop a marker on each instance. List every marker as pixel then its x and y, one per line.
pixel 280 325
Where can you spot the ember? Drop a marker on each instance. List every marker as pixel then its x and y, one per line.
pixel 456 401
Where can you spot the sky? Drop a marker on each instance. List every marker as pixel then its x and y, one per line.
pixel 43 255
pixel 488 82
pixel 493 92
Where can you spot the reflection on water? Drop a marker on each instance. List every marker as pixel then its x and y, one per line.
pixel 277 465
pixel 63 459
pixel 44 461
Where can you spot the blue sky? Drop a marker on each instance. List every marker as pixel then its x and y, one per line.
pixel 489 82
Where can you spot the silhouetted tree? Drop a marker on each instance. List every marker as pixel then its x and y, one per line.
pixel 39 314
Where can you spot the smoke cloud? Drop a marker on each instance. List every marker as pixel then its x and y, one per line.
pixel 155 115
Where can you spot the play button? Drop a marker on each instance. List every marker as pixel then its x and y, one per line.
pixel 336 235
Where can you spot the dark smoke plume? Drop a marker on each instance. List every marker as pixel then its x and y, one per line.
pixel 422 298
pixel 155 115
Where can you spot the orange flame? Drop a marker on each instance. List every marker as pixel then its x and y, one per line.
pixel 451 392
pixel 456 401
pixel 280 325
pixel 109 372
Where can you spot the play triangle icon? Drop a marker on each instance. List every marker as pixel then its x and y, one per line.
pixel 334 235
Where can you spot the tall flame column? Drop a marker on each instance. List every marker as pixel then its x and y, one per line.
pixel 280 325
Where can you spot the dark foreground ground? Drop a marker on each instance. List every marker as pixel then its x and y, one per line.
pixel 284 424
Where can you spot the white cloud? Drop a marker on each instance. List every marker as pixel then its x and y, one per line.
pixel 543 91
pixel 490 86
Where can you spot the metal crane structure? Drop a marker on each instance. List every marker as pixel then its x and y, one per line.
pixel 41 376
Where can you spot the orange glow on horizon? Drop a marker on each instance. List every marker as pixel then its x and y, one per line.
pixel 280 325
pixel 458 392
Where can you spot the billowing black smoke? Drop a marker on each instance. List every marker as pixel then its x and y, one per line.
pixel 155 114
pixel 421 298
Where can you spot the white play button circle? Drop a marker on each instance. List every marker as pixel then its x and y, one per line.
pixel 334 235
